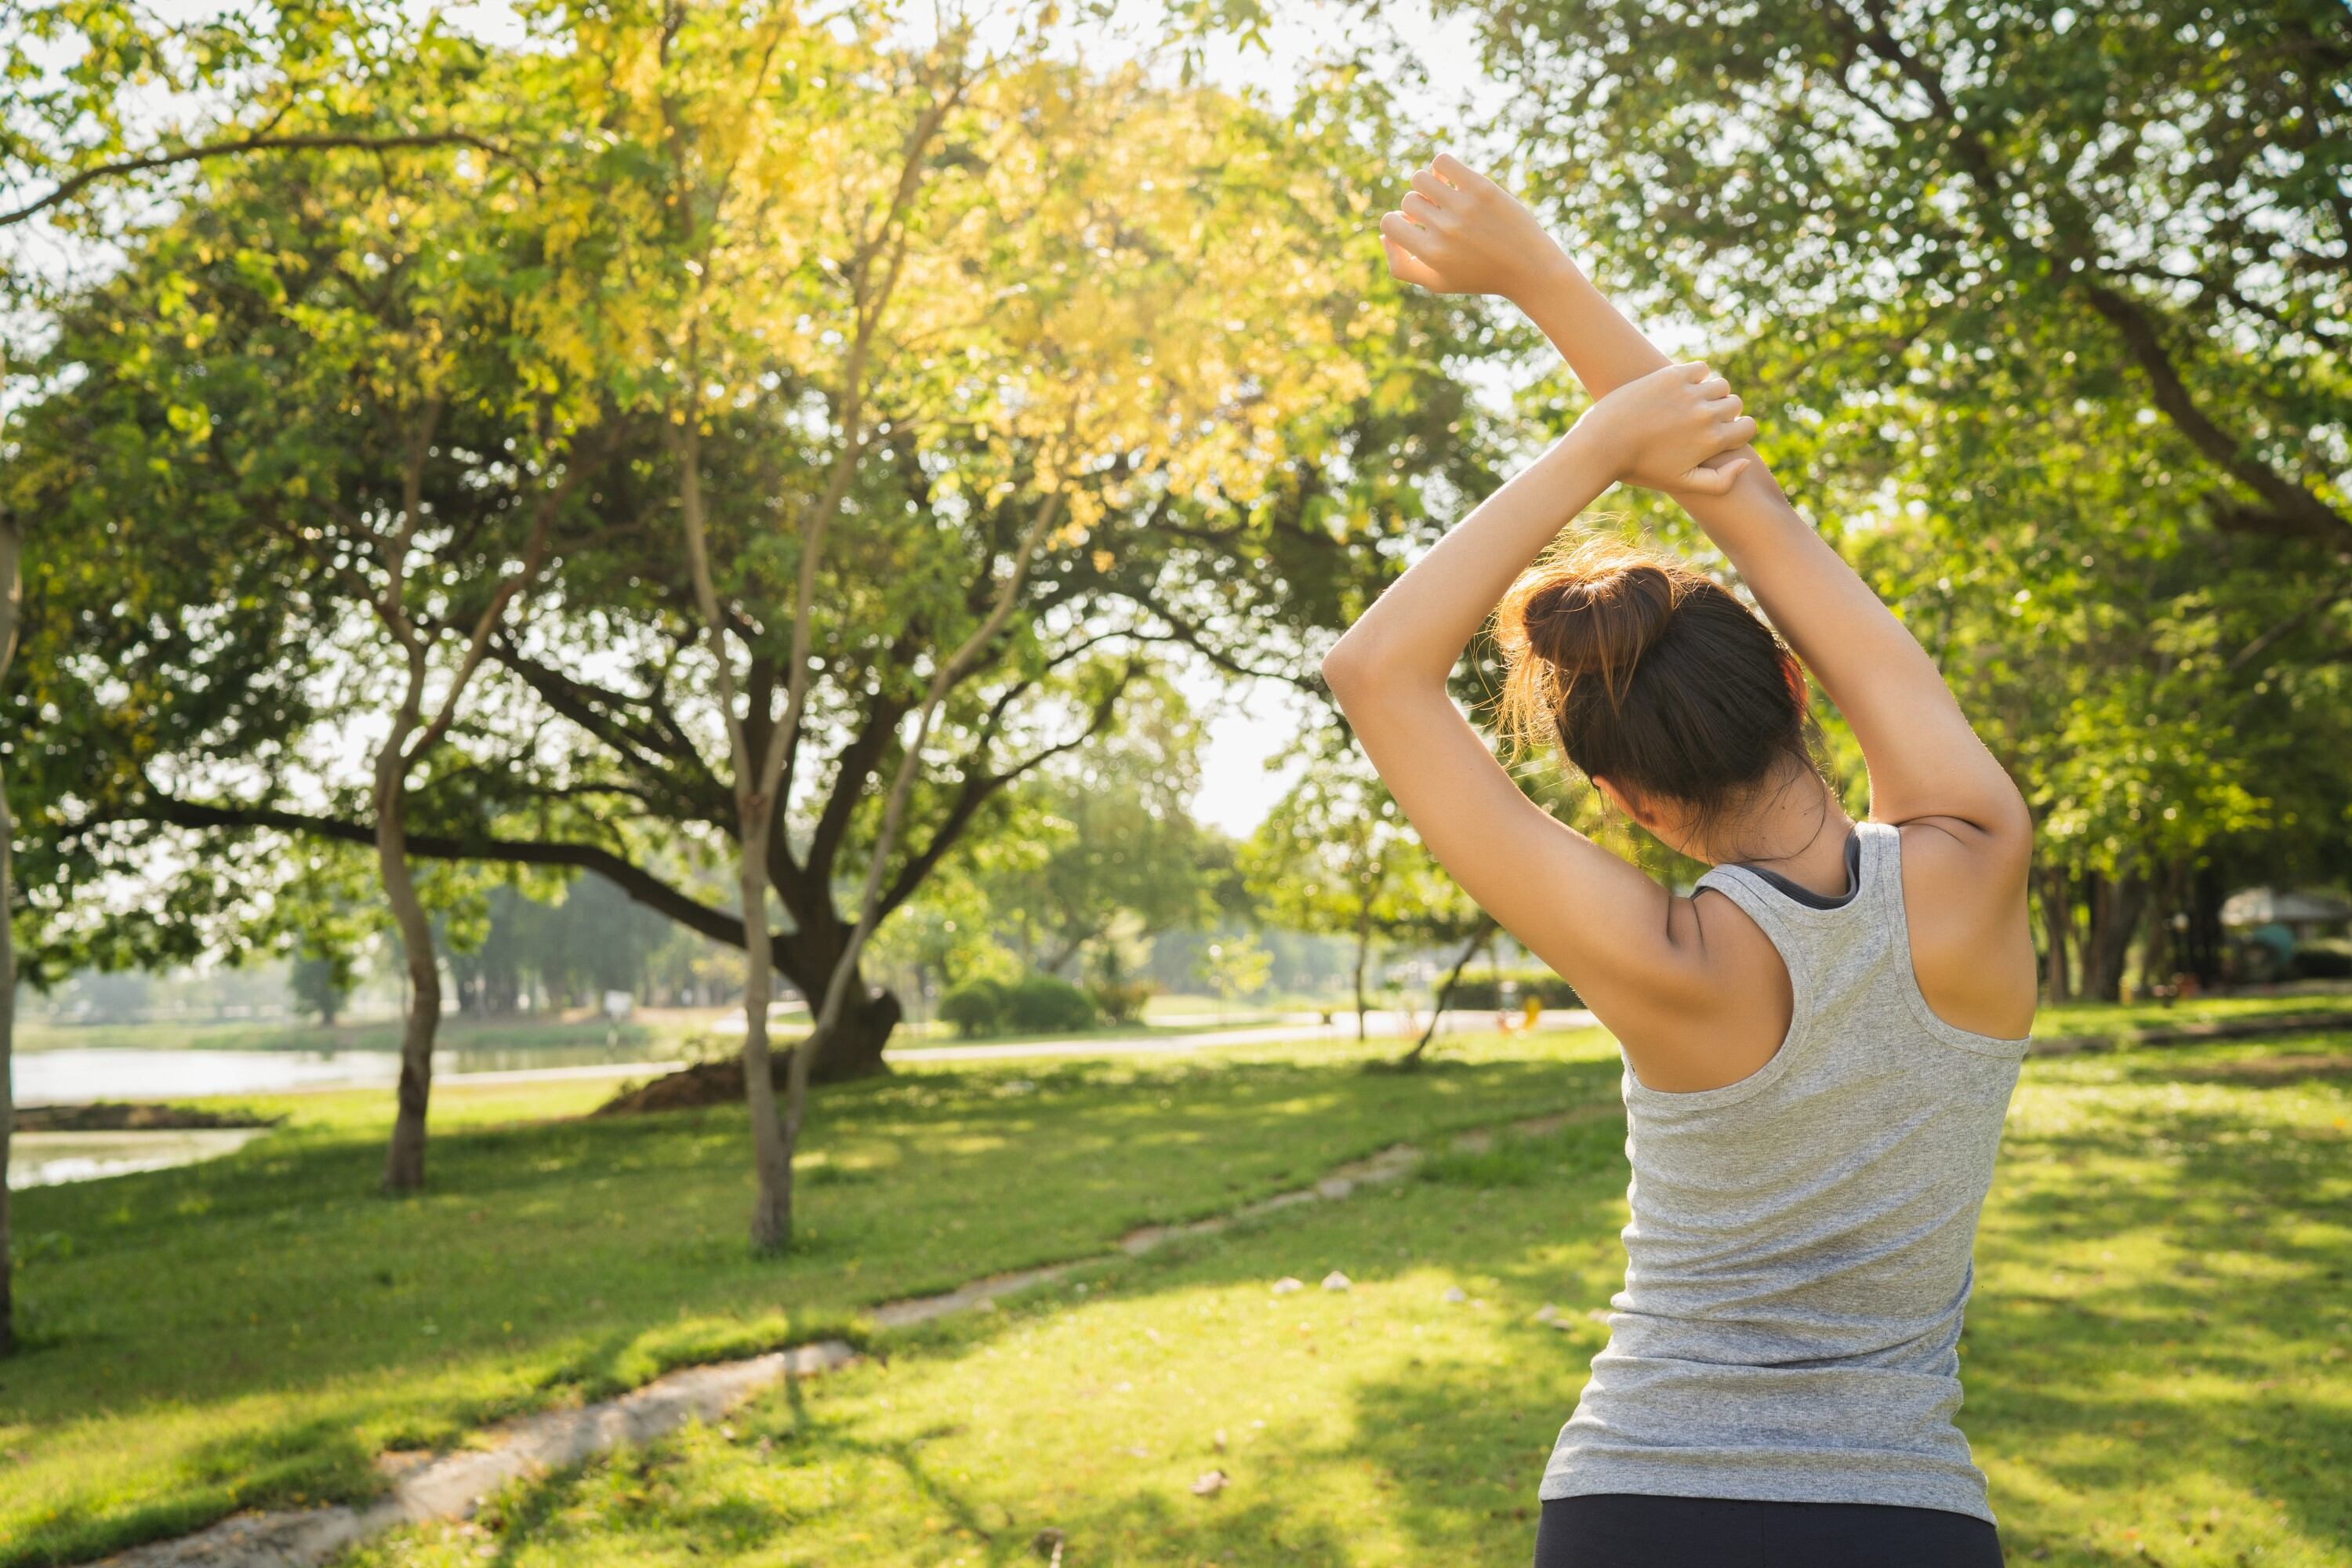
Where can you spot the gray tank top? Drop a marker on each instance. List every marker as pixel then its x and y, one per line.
pixel 1799 1255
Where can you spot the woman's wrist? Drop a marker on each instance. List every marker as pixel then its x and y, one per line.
pixel 1598 445
pixel 1541 275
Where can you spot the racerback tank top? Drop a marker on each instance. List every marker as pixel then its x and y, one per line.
pixel 1799 1252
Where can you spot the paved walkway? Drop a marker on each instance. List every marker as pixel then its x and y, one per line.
pixel 1297 1027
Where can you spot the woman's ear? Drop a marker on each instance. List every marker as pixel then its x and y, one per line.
pixel 1617 798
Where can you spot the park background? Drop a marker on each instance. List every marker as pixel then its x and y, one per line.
pixel 494 492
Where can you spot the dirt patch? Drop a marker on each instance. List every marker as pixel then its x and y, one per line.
pixel 2269 1072
pixel 717 1082
pixel 125 1116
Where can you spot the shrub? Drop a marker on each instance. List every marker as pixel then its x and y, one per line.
pixel 1049 1004
pixel 977 1008
pixel 1477 990
pixel 1120 1001
pixel 1038 1002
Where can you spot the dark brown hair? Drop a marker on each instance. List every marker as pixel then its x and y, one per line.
pixel 1652 675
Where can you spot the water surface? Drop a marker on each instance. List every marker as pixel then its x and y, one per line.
pixel 48 1159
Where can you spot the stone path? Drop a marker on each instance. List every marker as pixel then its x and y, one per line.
pixel 453 1486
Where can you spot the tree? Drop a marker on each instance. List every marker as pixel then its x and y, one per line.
pixel 1336 856
pixel 1117 389
pixel 2154 196
pixel 11 547
pixel 1101 833
pixel 1239 539
pixel 1236 966
pixel 321 983
pixel 68 139
pixel 2046 305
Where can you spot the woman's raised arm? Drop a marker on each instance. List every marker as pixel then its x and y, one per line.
pixel 1461 233
pixel 1627 946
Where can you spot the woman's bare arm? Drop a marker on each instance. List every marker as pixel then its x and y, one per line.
pixel 1459 232
pixel 1630 948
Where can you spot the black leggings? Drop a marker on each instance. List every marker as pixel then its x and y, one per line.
pixel 1620 1529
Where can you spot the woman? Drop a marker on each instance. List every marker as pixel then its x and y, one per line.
pixel 1818 1042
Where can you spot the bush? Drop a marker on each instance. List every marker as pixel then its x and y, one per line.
pixel 2322 961
pixel 1478 989
pixel 1037 1002
pixel 976 1008
pixel 1042 1003
pixel 1120 1001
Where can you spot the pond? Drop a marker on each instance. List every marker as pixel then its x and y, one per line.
pixel 73 1075
pixel 48 1159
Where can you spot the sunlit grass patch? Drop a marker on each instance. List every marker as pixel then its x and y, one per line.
pixel 2155 1365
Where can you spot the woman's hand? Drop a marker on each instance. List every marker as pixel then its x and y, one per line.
pixel 1672 430
pixel 1461 233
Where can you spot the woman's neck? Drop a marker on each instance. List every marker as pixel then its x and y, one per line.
pixel 1800 832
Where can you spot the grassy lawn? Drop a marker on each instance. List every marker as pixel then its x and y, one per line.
pixel 255 1330
pixel 2105 1018
pixel 2158 1363
pixel 2159 1356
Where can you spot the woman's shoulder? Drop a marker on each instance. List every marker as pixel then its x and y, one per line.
pixel 1733 1020
pixel 1963 894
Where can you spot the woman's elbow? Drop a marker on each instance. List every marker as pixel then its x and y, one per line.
pixel 1347 667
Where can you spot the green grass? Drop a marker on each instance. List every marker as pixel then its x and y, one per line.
pixel 2156 1364
pixel 2156 1357
pixel 253 1330
pixel 2075 1018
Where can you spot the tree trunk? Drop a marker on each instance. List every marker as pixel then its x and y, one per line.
pixel 1411 1058
pixel 1363 952
pixel 403 1162
pixel 853 1049
pixel 2205 924
pixel 771 1161
pixel 9 592
pixel 2057 923
pixel 7 1084
pixel 2116 904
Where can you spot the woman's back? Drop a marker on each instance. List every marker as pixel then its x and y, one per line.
pixel 1799 1252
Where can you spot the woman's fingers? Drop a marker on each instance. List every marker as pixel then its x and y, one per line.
pixel 1737 431
pixel 1426 182
pixel 1457 174
pixel 1707 481
pixel 1728 406
pixel 1403 233
pixel 1423 211
pixel 1407 268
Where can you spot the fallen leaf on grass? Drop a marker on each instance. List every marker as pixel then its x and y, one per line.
pixel 1210 1483
pixel 1335 1280
pixel 1285 1285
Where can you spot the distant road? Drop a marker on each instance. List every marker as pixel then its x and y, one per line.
pixel 1296 1027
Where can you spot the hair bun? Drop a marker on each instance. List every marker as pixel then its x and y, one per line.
pixel 1596 614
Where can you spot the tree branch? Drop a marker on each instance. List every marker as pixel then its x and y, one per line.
pixel 639 884
pixel 321 142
